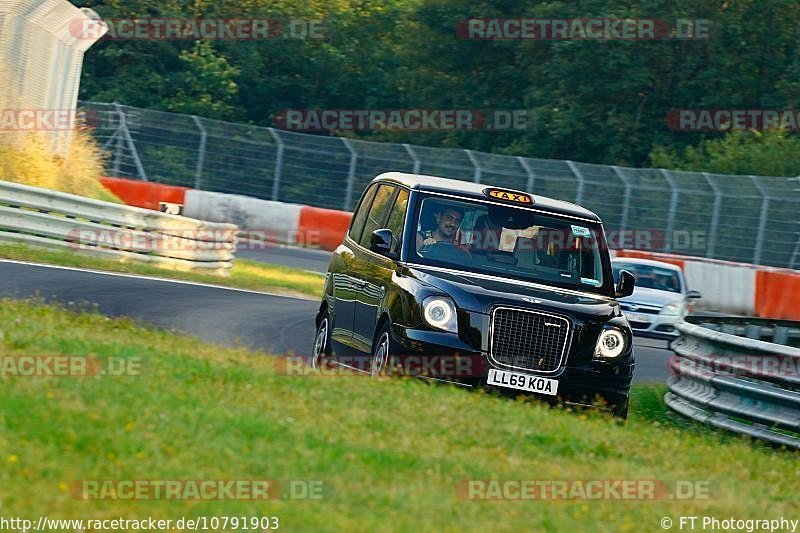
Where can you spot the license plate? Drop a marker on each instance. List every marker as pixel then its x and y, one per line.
pixel 638 317
pixel 526 382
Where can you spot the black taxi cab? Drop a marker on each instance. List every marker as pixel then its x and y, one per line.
pixel 516 288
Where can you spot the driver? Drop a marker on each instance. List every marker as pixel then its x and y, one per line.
pixel 448 220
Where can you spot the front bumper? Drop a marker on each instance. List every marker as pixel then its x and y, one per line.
pixel 590 382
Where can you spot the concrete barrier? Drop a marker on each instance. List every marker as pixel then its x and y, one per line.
pixel 145 194
pixel 735 288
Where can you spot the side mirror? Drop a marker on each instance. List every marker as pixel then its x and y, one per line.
pixel 693 295
pixel 625 284
pixel 381 241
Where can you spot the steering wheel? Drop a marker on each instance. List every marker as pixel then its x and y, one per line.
pixel 445 251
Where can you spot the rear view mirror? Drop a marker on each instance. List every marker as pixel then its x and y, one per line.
pixel 693 295
pixel 625 285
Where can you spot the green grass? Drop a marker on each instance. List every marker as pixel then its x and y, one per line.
pixel 245 274
pixel 390 452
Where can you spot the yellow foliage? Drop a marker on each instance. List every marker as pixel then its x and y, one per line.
pixel 26 158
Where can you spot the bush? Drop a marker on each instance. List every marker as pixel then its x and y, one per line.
pixel 27 159
pixel 767 153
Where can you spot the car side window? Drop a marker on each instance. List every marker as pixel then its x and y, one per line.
pixel 361 214
pixel 377 213
pixel 397 219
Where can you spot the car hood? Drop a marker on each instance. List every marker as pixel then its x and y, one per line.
pixel 653 297
pixel 480 294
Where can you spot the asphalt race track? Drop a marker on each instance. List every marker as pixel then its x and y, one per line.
pixel 276 324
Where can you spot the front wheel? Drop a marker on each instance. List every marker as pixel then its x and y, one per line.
pixel 620 411
pixel 382 349
pixel 322 341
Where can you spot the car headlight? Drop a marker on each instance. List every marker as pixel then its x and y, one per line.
pixel 610 344
pixel 440 312
pixel 675 308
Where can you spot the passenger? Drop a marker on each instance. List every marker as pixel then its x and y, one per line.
pixel 486 236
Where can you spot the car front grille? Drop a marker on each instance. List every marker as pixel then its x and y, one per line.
pixel 528 340
pixel 640 308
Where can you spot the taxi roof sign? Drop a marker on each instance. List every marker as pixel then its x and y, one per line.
pixel 509 196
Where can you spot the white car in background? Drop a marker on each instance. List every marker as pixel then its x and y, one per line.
pixel 660 298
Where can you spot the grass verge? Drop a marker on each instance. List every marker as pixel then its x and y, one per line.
pixel 245 274
pixel 389 452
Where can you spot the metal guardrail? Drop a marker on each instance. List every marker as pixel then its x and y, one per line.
pixel 726 375
pixel 53 219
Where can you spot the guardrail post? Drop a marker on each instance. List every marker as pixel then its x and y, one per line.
pixel 753 331
pixel 581 181
pixel 626 201
pixel 531 174
pixel 476 177
pixel 414 157
pixel 351 175
pixel 780 335
pixel 278 172
pixel 201 156
pixel 673 208
pixel 712 238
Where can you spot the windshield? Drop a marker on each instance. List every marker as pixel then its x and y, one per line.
pixel 508 241
pixel 651 276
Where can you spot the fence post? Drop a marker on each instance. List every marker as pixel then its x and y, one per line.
pixel 762 221
pixel 278 173
pixel 528 170
pixel 351 175
pixel 131 146
pixel 673 208
pixel 626 200
pixel 712 239
pixel 578 174
pixel 476 177
pixel 414 157
pixel 201 156
pixel 796 253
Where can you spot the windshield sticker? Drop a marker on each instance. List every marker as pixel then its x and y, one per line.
pixel 581 231
pixel 590 281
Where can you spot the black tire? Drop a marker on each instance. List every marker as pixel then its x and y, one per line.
pixel 322 341
pixel 382 350
pixel 620 411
